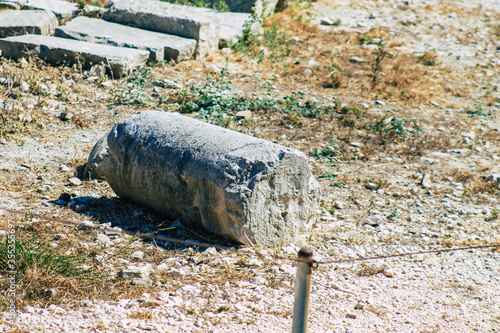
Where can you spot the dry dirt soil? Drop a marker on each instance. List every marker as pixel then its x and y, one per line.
pixel 396 104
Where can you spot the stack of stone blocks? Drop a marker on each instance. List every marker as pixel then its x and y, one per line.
pixel 130 32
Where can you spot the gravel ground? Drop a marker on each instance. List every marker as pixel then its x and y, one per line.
pixel 424 208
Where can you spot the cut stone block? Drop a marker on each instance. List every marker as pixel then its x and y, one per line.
pixel 60 50
pixel 260 8
pixel 23 22
pixel 249 190
pixel 161 46
pixel 184 21
pixel 64 11
pixel 232 25
pixel 12 4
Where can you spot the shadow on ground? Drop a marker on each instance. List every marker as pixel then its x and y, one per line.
pixel 135 219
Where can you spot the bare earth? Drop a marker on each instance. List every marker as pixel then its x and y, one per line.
pixel 388 186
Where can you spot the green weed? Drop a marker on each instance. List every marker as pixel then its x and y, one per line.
pixel 477 111
pixel 216 103
pixel 377 64
pixel 220 5
pixel 394 128
pixel 135 91
pixel 36 255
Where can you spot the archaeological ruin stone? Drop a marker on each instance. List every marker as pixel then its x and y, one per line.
pixel 247 189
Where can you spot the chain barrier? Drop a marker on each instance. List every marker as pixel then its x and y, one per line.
pixel 315 264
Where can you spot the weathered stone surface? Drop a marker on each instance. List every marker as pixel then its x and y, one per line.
pixel 12 4
pixel 23 22
pixel 161 46
pixel 184 21
pixel 64 11
pixel 232 25
pixel 261 8
pixel 247 189
pixel 60 50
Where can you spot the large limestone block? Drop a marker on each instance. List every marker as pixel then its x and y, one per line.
pixel 184 21
pixel 64 10
pixel 23 22
pixel 161 46
pixel 249 190
pixel 56 50
pixel 12 4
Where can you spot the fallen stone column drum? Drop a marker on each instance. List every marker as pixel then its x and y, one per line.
pixel 249 190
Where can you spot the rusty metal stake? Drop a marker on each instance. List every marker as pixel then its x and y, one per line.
pixel 302 287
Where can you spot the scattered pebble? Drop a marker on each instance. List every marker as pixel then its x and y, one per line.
pixel 75 181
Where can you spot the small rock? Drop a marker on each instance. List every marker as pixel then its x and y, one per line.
pixel 357 60
pixel 371 186
pixel 312 62
pixel 338 204
pixel 64 168
pixel 169 84
pixel 226 50
pixel 244 114
pixel 326 21
pixel 142 282
pixel 431 261
pixel 379 102
pixel 307 72
pixel 102 239
pixel 25 86
pixel 459 151
pixel 351 315
pixel 210 251
pixel 137 255
pixel 434 103
pixel 65 116
pixel 426 181
pixel 86 225
pixel 75 181
pixel 388 272
pixel 470 135
pixel 107 84
pixel 134 271
pixel 374 220
pixel 359 306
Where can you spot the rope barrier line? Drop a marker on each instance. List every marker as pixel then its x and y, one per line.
pixel 313 262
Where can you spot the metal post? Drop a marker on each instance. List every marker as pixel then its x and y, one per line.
pixel 302 287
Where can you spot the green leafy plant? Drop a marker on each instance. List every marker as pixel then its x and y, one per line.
pixel 377 64
pixel 216 102
pixel 135 91
pixel 428 59
pixel 330 151
pixel 393 127
pixel 477 111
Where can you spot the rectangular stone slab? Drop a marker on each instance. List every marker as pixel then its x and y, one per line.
pixel 12 4
pixel 161 46
pixel 183 21
pixel 66 51
pixel 64 11
pixel 23 22
pixel 247 189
